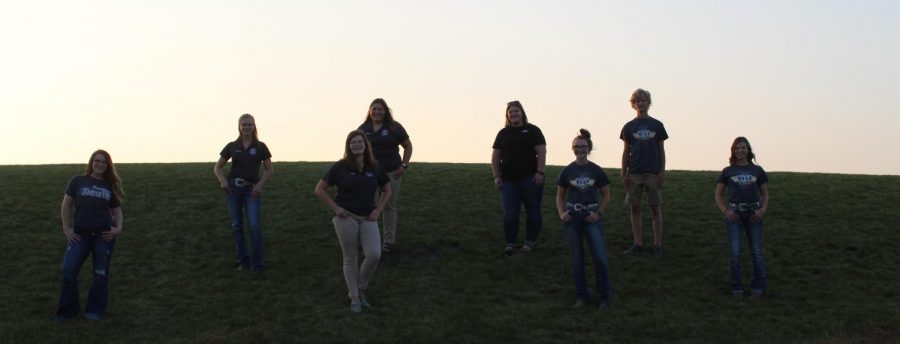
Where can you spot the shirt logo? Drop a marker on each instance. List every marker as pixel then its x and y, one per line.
pixel 252 151
pixel 644 134
pixel 582 182
pixel 744 179
pixel 369 174
pixel 524 130
pixel 96 192
pixel 384 132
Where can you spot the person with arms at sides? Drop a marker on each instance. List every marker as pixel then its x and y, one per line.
pixel 386 136
pixel 243 188
pixel 748 199
pixel 644 169
pixel 357 177
pixel 517 163
pixel 96 197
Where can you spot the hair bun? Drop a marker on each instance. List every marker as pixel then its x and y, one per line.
pixel 584 133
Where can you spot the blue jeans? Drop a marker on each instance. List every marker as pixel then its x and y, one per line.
pixel 754 238
pixel 514 194
pixel 576 231
pixel 239 201
pixel 76 253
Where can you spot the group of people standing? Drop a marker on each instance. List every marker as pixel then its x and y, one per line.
pixel 367 181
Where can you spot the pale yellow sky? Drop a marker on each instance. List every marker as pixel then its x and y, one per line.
pixel 812 84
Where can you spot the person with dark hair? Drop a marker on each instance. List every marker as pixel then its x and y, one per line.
pixel 644 169
pixel 386 135
pixel 243 188
pixel 518 162
pixel 357 177
pixel 581 213
pixel 96 197
pixel 748 199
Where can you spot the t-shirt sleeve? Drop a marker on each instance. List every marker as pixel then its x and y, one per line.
pixel 498 141
pixel 226 152
pixel 539 137
pixel 763 177
pixel 400 133
pixel 264 152
pixel 723 177
pixel 602 177
pixel 662 134
pixel 114 201
pixel 563 180
pixel 73 187
pixel 623 134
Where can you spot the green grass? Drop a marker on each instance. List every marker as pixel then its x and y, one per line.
pixel 830 244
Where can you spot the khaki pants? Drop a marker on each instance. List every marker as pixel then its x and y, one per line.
pixel 353 231
pixel 390 209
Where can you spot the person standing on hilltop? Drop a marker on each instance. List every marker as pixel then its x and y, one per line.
pixel 243 188
pixel 748 199
pixel 96 198
pixel 386 135
pixel 644 169
pixel 518 162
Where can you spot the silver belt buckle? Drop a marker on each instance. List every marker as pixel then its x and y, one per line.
pixel 240 182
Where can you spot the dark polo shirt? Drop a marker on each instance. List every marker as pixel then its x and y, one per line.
pixel 355 189
pixel 386 144
pixel 245 162
pixel 516 144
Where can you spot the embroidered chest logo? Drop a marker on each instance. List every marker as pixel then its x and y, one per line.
pixel 369 174
pixel 583 182
pixel 644 134
pixel 384 132
pixel 252 151
pixel 744 179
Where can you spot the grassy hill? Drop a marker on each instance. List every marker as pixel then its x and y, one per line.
pixel 830 242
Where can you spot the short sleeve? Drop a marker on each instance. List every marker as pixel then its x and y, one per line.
pixel 563 180
pixel 226 152
pixel 538 137
pixel 114 201
pixel 623 135
pixel 264 152
pixel 723 177
pixel 400 133
pixel 602 177
pixel 661 134
pixel 72 188
pixel 382 177
pixel 330 176
pixel 498 141
pixel 763 177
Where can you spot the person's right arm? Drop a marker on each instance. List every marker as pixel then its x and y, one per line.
pixel 65 214
pixel 720 202
pixel 323 195
pixel 624 173
pixel 218 170
pixel 495 168
pixel 561 204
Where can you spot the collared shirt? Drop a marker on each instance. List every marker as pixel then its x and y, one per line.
pixel 245 162
pixel 355 189
pixel 385 143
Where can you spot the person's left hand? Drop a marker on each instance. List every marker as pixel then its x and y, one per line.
pixel 757 215
pixel 373 216
pixel 594 217
pixel 538 179
pixel 660 179
pixel 112 233
pixel 254 194
pixel 399 172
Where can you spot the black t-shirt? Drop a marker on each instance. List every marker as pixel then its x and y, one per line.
pixel 743 182
pixel 516 144
pixel 245 162
pixel 582 182
pixel 643 136
pixel 355 190
pixel 386 144
pixel 93 200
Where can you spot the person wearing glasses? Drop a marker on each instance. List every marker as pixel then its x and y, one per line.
pixel 748 199
pixel 387 136
pixel 96 198
pixel 517 163
pixel 243 188
pixel 357 177
pixel 582 212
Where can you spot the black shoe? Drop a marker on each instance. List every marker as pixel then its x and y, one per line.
pixel 634 249
pixel 386 247
pixel 657 251
pixel 510 249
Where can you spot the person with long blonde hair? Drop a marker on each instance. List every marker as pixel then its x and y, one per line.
pixel 243 189
pixel 96 199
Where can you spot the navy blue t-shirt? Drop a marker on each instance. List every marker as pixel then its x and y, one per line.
pixel 355 190
pixel 245 162
pixel 386 144
pixel 582 182
pixel 743 182
pixel 516 144
pixel 93 201
pixel 643 136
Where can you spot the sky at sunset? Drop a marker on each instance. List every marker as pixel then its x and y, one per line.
pixel 812 84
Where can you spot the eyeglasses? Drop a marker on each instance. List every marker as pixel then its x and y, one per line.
pixel 579 146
